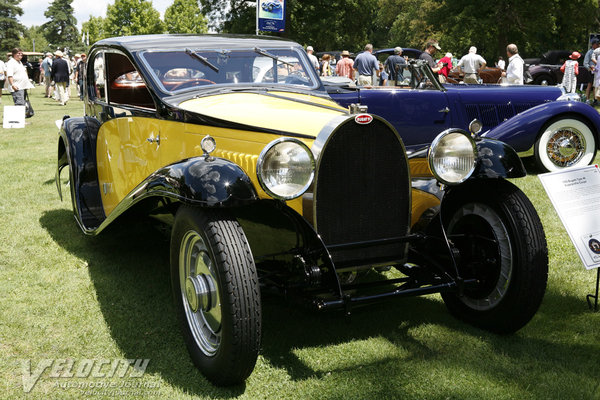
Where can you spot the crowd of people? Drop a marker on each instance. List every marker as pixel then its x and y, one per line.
pixel 366 70
pixel 58 73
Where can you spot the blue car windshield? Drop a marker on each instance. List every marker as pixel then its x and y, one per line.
pixel 182 70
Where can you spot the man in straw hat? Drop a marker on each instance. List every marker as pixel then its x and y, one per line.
pixel 344 66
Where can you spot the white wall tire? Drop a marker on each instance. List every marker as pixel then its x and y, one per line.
pixel 564 143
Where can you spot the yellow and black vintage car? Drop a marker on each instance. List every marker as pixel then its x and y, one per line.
pixel 267 184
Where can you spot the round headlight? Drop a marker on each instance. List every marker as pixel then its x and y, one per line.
pixel 285 168
pixel 452 156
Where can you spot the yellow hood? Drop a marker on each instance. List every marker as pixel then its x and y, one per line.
pixel 290 112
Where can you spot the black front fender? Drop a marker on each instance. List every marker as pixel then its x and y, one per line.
pixel 203 181
pixel 496 159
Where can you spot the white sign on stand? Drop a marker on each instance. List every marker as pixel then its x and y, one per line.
pixel 14 117
pixel 575 194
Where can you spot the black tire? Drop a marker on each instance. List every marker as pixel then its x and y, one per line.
pixel 502 244
pixel 565 142
pixel 216 292
pixel 544 80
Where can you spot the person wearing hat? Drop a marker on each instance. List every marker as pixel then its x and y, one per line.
pixel 430 48
pixel 47 68
pixel 313 59
pixel 60 75
pixel 394 65
pixel 587 63
pixel 570 70
pixel 446 62
pixel 345 65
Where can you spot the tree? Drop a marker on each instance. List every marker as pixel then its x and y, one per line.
pixel 132 17
pixel 184 16
pixel 94 29
pixel 10 28
pixel 61 28
pixel 34 35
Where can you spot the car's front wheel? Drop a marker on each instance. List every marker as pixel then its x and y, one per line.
pixel 216 293
pixel 563 143
pixel 502 248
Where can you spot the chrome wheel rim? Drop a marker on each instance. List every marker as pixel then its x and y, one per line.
pixel 199 292
pixel 565 147
pixel 495 280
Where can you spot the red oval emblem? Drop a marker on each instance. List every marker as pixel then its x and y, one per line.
pixel 363 119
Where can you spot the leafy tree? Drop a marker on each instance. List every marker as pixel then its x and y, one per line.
pixel 184 16
pixel 132 17
pixel 94 27
pixel 10 28
pixel 61 28
pixel 34 34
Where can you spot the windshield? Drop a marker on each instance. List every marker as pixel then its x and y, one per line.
pixel 181 70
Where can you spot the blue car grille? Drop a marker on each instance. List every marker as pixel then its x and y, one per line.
pixel 492 115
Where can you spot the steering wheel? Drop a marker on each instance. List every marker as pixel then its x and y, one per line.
pixel 190 82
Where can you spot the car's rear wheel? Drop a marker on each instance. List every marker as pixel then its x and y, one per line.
pixel 216 292
pixel 501 245
pixel 563 143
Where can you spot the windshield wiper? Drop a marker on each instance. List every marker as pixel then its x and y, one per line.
pixel 202 59
pixel 273 56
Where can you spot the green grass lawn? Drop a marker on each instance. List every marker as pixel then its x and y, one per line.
pixel 67 296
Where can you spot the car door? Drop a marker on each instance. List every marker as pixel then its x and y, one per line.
pixel 418 110
pixel 128 140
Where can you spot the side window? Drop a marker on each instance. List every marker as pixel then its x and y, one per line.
pixel 125 86
pixel 97 85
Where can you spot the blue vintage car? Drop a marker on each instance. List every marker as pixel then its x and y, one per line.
pixel 544 121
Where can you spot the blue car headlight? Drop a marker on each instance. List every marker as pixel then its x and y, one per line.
pixel 285 168
pixel 452 156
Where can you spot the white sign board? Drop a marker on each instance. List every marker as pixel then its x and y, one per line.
pixel 14 117
pixel 575 194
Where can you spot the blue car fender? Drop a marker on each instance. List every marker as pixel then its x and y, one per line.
pixel 522 131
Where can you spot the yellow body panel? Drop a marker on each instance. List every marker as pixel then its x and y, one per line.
pixel 269 112
pixel 123 143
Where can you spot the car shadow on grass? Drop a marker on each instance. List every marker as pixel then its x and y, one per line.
pixel 129 267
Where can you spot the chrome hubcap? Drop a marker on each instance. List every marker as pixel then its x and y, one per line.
pixel 199 292
pixel 566 147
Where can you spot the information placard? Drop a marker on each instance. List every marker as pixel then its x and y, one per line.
pixel 575 195
pixel 270 15
pixel 14 117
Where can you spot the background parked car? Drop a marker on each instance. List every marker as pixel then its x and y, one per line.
pixel 546 69
pixel 532 119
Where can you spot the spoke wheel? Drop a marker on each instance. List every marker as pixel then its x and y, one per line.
pixel 501 245
pixel 565 143
pixel 216 293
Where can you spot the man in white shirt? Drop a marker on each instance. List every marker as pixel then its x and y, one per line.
pixel 313 59
pixel 514 71
pixel 17 80
pixel 471 64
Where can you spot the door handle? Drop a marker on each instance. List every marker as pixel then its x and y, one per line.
pixel 153 140
pixel 444 110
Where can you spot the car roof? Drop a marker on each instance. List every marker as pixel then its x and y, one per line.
pixel 182 41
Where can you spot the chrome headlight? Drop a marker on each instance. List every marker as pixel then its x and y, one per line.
pixel 452 156
pixel 285 168
pixel 569 97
